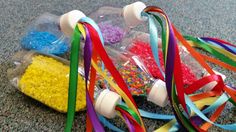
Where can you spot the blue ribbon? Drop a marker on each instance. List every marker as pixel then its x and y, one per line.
pixel 231 127
pixel 151 115
pixel 94 25
pixel 154 40
pixel 155 115
pixel 174 128
pixel 221 100
pixel 109 125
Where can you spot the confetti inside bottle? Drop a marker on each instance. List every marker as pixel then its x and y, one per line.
pixel 139 45
pixel 51 33
pixel 146 55
pixel 45 78
pixel 115 23
pixel 137 77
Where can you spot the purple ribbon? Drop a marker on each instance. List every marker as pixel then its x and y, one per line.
pixel 218 43
pixel 87 63
pixel 87 55
pixel 130 126
pixel 92 114
pixel 170 67
pixel 170 60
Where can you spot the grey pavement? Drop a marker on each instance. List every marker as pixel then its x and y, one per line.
pixel 216 18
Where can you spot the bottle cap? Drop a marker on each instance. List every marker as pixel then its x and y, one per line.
pixel 132 13
pixel 158 94
pixel 211 85
pixel 106 103
pixel 68 21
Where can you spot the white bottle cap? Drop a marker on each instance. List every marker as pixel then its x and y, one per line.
pixel 106 103
pixel 132 13
pixel 211 85
pixel 158 94
pixel 68 21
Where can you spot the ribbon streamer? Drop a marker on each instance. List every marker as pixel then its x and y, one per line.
pixel 73 79
pixel 173 78
pixel 179 95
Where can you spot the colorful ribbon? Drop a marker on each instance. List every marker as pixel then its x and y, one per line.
pixel 115 74
pixel 92 39
pixel 174 76
pixel 75 45
pixel 177 92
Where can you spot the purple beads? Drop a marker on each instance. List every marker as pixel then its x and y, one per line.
pixel 111 34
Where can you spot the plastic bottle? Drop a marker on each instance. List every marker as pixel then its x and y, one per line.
pixel 45 78
pixel 139 45
pixel 137 77
pixel 115 23
pixel 197 69
pixel 50 33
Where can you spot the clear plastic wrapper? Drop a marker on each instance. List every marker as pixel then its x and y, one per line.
pixel 45 78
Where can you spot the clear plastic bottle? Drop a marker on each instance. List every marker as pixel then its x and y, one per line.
pixel 190 67
pixel 139 44
pixel 50 33
pixel 115 23
pixel 197 69
pixel 45 78
pixel 137 77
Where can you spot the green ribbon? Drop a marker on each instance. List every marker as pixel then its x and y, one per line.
pixel 184 120
pixel 75 47
pixel 214 52
pixel 232 101
pixel 131 112
pixel 174 98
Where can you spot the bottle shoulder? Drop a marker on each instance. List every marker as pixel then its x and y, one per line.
pixel 45 18
pixel 106 10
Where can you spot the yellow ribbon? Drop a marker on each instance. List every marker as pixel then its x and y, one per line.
pixel 118 90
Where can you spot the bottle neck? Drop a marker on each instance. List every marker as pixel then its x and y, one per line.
pixel 153 84
pixel 158 93
pixel 97 92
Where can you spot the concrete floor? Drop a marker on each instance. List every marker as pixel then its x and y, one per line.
pixel 21 113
